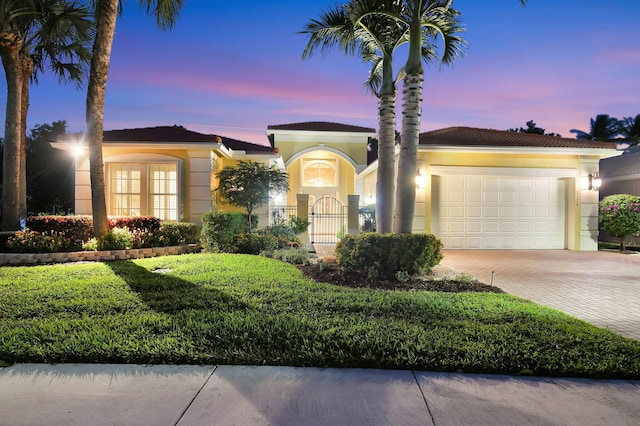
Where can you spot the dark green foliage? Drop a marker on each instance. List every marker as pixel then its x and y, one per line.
pixel 296 256
pixel 220 229
pixel 368 214
pixel 251 243
pixel 143 229
pixel 117 239
pixel 619 216
pixel 176 234
pixel 384 255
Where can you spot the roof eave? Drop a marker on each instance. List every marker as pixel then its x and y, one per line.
pixel 602 152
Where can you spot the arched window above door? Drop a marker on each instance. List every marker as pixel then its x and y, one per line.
pixel 319 173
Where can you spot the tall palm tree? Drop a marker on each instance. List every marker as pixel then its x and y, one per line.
pixel 603 128
pixel 61 45
pixel 428 20
pixel 360 28
pixel 166 13
pixel 36 34
pixel 12 18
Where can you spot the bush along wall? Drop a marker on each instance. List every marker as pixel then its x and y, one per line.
pixel 384 255
pixel 50 234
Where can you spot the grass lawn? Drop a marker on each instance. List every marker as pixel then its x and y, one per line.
pixel 241 309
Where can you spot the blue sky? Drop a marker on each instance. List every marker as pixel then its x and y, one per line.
pixel 233 68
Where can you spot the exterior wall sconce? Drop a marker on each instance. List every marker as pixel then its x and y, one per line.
pixel 594 181
pixel 421 180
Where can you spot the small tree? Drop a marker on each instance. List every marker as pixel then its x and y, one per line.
pixel 620 216
pixel 249 184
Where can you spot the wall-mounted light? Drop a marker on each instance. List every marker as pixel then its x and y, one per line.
pixel 594 181
pixel 421 180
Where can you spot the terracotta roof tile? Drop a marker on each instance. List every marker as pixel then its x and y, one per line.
pixel 322 126
pixel 469 136
pixel 166 134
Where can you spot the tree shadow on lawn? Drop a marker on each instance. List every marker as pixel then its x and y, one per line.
pixel 166 293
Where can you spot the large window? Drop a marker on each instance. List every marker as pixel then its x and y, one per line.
pixel 144 189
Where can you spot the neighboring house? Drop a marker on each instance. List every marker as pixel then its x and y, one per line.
pixel 167 172
pixel 476 188
pixel 621 174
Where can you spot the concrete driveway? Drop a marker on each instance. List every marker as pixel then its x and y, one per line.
pixel 602 288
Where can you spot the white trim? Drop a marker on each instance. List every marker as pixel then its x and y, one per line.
pixel 140 158
pixel 339 153
pixel 601 152
pixel 290 136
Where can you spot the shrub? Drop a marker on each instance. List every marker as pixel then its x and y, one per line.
pixel 284 233
pixel 384 255
pixel 219 230
pixel 174 234
pixel 73 229
pixel 34 242
pixel 297 256
pixel 116 239
pixel 144 230
pixel 619 216
pixel 255 243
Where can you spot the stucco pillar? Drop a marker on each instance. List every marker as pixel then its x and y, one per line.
pixel 353 214
pixel 302 211
pixel 588 202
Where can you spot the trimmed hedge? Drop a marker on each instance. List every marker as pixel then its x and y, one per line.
pixel 384 255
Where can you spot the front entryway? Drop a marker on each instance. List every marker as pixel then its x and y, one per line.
pixel 328 220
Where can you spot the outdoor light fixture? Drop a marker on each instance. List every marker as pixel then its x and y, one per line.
pixel 594 181
pixel 77 150
pixel 420 180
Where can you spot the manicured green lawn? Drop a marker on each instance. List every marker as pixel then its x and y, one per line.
pixel 241 309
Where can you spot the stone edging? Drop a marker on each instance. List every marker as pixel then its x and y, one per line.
pixel 16 259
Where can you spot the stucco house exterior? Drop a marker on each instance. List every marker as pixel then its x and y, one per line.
pixel 476 188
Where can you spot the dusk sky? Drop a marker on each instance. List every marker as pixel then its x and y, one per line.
pixel 233 68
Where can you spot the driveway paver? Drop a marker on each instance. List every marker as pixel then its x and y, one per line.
pixel 602 288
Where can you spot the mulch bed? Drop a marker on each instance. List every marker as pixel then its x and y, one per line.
pixel 332 274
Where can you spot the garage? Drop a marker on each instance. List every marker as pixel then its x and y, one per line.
pixel 499 209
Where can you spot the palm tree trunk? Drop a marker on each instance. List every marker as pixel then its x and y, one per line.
pixel 26 67
pixel 11 159
pixel 408 159
pixel 385 184
pixel 107 12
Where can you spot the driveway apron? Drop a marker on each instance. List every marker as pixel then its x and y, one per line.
pixel 602 288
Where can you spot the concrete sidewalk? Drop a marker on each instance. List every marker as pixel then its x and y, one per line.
pixel 80 394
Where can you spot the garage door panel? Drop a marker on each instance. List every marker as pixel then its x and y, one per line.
pixel 494 212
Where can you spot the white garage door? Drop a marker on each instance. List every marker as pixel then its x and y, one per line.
pixel 499 212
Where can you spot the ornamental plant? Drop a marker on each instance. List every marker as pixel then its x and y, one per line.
pixel 619 216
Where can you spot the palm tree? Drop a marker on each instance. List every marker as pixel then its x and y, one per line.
pixel 631 129
pixel 61 44
pixel 166 13
pixel 359 27
pixel 36 34
pixel 12 17
pixel 427 20
pixel 603 128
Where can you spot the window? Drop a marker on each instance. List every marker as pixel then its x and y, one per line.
pixel 319 173
pixel 144 189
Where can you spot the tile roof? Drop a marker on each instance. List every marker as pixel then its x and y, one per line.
pixel 322 126
pixel 473 137
pixel 166 134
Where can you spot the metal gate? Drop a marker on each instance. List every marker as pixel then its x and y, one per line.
pixel 328 221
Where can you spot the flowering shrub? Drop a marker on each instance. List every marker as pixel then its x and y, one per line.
pixel 74 230
pixel 384 255
pixel 619 216
pixel 35 242
pixel 143 229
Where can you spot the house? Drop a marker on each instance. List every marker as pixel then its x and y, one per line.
pixel 167 171
pixel 476 188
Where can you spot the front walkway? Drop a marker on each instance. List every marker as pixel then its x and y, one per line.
pixel 602 288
